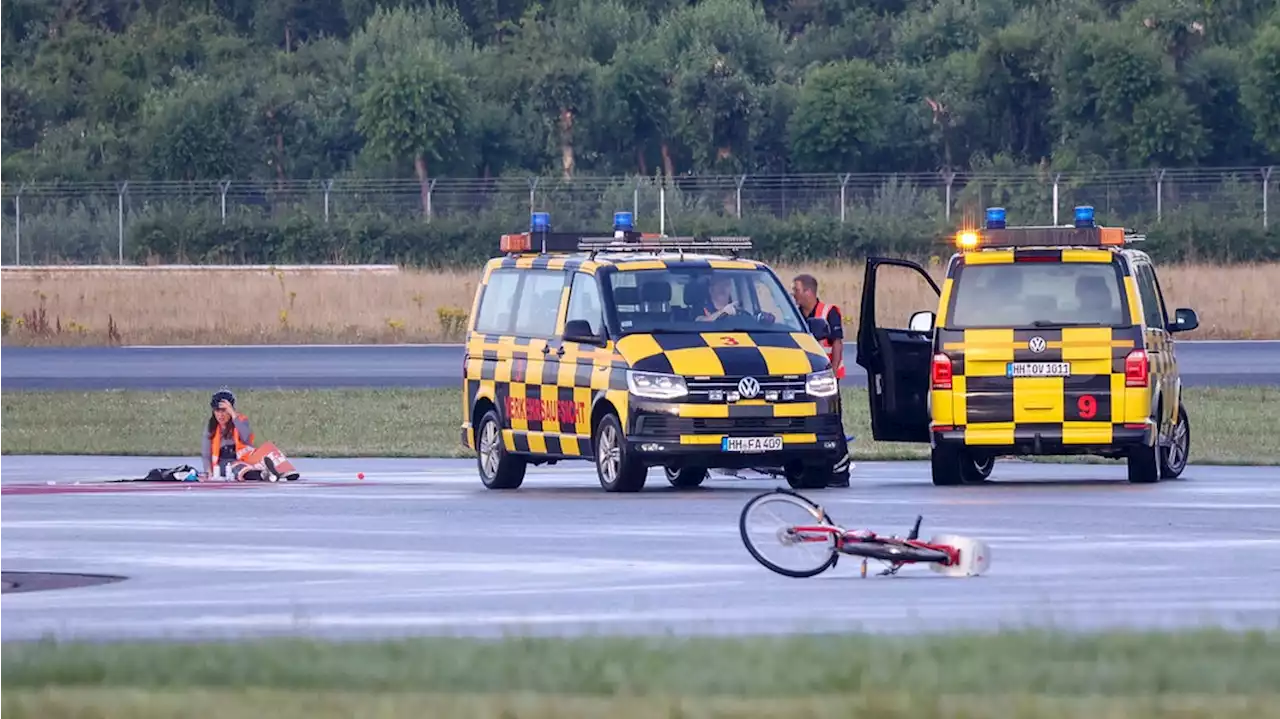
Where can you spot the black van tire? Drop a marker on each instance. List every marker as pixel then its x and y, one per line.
pixel 976 468
pixel 685 477
pixel 507 469
pixel 807 476
pixel 1144 461
pixel 1172 466
pixel 629 472
pixel 945 465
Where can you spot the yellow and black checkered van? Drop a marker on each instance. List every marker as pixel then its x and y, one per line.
pixel 635 351
pixel 1045 341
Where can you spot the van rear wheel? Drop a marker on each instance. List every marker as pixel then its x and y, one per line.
pixel 685 477
pixel 976 468
pixel 945 465
pixel 1144 462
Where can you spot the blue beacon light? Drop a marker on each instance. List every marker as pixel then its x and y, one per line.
pixel 540 222
pixel 622 221
pixel 995 218
pixel 1084 216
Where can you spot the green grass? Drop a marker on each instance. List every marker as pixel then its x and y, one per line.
pixel 1024 674
pixel 1230 425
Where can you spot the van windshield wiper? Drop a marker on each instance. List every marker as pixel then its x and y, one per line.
pixel 1050 323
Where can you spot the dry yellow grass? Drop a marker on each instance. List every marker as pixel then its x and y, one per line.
pixel 235 306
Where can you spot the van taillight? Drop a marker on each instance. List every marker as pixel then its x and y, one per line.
pixel 941 371
pixel 1137 370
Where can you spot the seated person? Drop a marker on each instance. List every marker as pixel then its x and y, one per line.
pixel 722 303
pixel 721 300
pixel 229 446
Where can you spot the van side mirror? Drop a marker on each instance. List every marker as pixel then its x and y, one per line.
pixel 921 321
pixel 819 328
pixel 1184 320
pixel 580 331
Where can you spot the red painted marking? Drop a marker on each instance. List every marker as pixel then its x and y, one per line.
pixel 101 487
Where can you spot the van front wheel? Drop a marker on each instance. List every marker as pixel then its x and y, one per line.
pixel 618 469
pixel 498 469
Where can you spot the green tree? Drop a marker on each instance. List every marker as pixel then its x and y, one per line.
pixel 415 108
pixel 840 119
pixel 1261 87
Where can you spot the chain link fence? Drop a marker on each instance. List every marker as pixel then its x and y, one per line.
pixel 89 223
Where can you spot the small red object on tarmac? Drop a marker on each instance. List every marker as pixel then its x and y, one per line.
pixel 360 475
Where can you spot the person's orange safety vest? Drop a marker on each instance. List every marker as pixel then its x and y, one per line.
pixel 242 449
pixel 823 310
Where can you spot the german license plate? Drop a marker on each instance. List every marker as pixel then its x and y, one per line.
pixel 1039 369
pixel 750 444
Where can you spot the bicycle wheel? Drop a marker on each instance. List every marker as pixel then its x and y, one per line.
pixel 777 513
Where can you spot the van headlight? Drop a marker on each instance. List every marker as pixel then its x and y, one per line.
pixel 656 385
pixel 821 384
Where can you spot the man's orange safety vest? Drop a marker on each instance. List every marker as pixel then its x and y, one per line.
pixel 823 310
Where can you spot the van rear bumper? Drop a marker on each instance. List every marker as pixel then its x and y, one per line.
pixel 1046 439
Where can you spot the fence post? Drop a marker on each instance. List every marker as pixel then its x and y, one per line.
pixel 635 199
pixel 949 177
pixel 533 188
pixel 431 186
pixel 741 180
pixel 223 186
pixel 120 218
pixel 844 188
pixel 662 208
pixel 1056 179
pixel 328 187
pixel 17 229
pixel 1266 180
pixel 1159 194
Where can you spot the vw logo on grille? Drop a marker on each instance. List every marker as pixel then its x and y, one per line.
pixel 1036 344
pixel 748 387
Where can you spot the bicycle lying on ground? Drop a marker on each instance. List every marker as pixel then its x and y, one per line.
pixel 812 529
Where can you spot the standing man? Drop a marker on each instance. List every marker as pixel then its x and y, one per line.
pixel 804 288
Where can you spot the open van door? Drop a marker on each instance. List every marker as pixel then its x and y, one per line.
pixel 897 361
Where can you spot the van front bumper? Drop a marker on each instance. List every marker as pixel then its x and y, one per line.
pixel 1045 439
pixel 678 435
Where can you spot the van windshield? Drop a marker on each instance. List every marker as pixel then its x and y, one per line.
pixel 1038 294
pixel 701 299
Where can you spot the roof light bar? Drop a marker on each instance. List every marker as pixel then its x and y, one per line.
pixel 650 243
pixel 625 238
pixel 1051 236
pixel 995 218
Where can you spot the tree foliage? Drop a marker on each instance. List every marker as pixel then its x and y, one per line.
pixel 109 90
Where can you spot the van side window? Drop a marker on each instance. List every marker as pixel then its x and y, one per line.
pixel 498 303
pixel 584 302
pixel 1155 288
pixel 539 303
pixel 1152 312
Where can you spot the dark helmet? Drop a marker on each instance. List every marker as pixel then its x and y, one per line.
pixel 221 395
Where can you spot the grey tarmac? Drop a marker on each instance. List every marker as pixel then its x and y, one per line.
pixel 420 547
pixel 1204 363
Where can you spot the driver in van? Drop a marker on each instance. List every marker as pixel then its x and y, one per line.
pixel 721 300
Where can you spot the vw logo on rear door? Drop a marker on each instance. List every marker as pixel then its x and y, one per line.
pixel 748 387
pixel 1036 344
